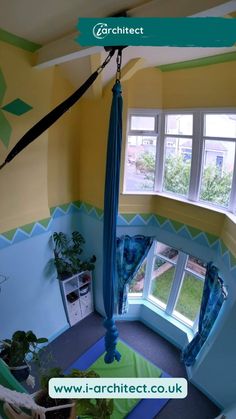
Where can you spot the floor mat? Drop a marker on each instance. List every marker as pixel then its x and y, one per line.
pixel 132 364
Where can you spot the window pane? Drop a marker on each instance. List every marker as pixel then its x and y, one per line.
pixel 179 124
pixel 140 163
pixel 167 251
pixel 196 265
pixel 217 172
pixel 190 297
pixel 136 286
pixel 142 123
pixel 162 278
pixel 178 155
pixel 220 125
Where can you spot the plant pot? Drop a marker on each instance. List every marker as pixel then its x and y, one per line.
pixel 21 373
pixel 42 399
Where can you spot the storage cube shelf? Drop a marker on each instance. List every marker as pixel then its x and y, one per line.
pixel 77 295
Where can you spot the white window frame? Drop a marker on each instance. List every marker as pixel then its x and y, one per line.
pixel 198 139
pixel 180 270
pixel 164 136
pixel 155 133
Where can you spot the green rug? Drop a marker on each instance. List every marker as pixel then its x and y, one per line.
pixel 131 365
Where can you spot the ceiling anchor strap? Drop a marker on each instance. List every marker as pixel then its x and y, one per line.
pixel 118 63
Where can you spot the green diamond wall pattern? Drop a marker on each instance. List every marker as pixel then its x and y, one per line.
pixel 16 107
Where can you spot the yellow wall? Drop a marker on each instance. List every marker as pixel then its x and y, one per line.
pixel 45 173
pixel 71 165
pixel 210 86
pixel 23 182
pixel 143 90
pixel 92 130
pixel 148 88
pixel 63 147
pixel 184 212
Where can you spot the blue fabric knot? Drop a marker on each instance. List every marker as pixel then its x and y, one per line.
pixel 117 88
pixel 111 341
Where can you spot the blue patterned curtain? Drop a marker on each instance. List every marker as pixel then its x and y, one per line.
pixel 213 297
pixel 130 254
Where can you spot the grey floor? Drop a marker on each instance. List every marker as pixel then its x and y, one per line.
pixel 76 340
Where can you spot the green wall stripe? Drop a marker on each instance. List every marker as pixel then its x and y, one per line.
pixel 52 209
pixel 232 259
pixel 28 228
pixel 88 207
pixel 64 207
pixel 128 217
pixel 145 216
pixel 177 225
pixel 211 238
pixel 194 231
pixel 45 222
pixel 9 234
pixel 99 211
pixel 77 203
pixel 200 62
pixel 223 247
pixel 161 219
pixel 17 41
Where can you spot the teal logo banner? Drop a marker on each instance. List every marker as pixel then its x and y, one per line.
pixel 175 32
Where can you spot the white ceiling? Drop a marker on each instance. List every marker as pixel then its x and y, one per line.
pixel 78 70
pixel 44 21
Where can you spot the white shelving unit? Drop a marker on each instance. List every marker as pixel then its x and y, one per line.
pixel 77 295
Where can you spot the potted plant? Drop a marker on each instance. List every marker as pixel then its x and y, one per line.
pixel 67 251
pixel 14 352
pixel 82 408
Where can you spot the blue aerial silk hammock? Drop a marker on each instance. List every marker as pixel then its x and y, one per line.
pixel 111 198
pixel 111 186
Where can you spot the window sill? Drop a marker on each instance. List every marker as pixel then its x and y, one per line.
pixel 154 308
pixel 177 198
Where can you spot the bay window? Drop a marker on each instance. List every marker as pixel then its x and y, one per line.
pixel 189 154
pixel 173 281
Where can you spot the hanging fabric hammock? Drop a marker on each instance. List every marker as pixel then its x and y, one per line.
pixel 48 120
pixel 111 198
pixel 111 187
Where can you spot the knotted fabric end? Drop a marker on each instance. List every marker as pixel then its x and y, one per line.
pixel 111 341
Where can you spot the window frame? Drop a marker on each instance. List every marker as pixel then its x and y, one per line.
pixel 197 161
pixel 155 133
pixel 180 271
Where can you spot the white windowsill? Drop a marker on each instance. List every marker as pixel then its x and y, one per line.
pixel 173 320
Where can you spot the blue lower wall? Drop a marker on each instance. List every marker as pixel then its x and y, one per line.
pixel 215 370
pixel 30 298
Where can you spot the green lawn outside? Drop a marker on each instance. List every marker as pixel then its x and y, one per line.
pixel 190 295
